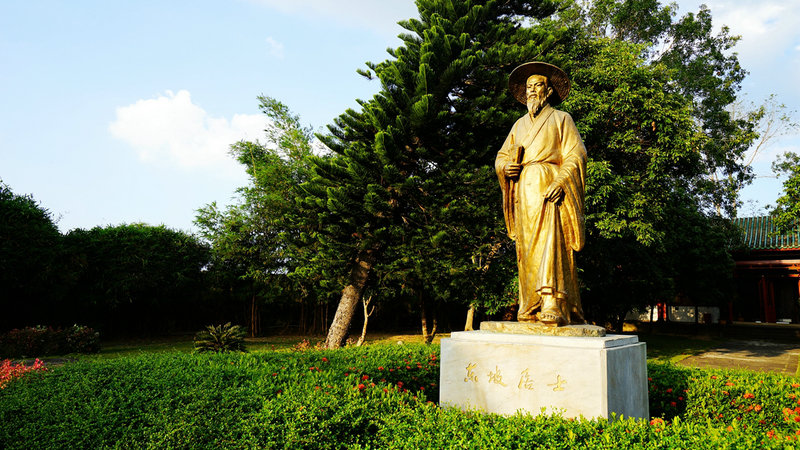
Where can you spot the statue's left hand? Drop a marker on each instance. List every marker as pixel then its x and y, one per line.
pixel 555 193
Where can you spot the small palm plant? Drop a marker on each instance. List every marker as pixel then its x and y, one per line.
pixel 220 338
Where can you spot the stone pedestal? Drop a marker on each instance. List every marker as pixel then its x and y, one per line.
pixel 576 376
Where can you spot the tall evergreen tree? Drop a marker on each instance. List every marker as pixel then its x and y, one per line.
pixel 410 177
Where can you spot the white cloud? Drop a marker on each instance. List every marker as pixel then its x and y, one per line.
pixel 768 27
pixel 274 47
pixel 170 130
pixel 378 16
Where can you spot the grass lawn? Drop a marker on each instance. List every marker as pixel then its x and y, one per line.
pixel 673 348
pixel 663 348
pixel 183 343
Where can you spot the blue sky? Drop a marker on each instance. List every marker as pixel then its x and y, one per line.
pixel 121 112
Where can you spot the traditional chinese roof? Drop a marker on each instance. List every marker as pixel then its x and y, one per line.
pixel 759 234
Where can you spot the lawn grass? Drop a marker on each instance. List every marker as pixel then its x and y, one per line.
pixel 664 348
pixel 674 348
pixel 183 343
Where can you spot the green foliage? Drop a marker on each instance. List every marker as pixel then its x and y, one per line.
pixel 29 254
pixel 134 277
pixel 787 209
pixel 29 342
pixel 367 397
pixel 220 338
pixel 651 93
pixel 257 241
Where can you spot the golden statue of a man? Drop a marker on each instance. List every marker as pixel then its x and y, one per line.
pixel 542 172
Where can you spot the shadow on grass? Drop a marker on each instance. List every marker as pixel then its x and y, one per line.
pixel 673 348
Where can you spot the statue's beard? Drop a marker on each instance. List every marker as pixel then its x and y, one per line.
pixel 535 104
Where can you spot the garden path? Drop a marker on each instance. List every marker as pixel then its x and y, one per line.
pixel 759 355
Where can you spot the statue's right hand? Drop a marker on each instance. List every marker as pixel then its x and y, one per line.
pixel 512 170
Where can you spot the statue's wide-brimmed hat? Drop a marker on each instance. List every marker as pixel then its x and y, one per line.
pixel 557 78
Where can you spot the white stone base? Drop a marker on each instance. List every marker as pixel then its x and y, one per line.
pixel 575 376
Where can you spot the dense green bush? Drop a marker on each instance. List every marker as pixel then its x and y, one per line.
pixel 41 341
pixel 373 397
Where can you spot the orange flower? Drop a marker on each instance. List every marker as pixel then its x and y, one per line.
pixel 757 408
pixel 748 395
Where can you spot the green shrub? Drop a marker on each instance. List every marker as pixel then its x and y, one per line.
pixel 220 339
pixel 367 397
pixel 42 341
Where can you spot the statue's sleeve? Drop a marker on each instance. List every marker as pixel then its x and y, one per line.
pixel 503 158
pixel 572 178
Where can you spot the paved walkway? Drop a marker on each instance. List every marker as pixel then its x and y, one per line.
pixel 760 355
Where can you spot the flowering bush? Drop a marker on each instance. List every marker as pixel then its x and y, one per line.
pixel 366 397
pixel 40 341
pixel 8 371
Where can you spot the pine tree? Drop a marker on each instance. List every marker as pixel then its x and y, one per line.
pixel 410 190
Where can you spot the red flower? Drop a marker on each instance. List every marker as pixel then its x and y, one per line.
pixel 361 386
pixel 365 377
pixel 669 390
pixel 728 383
pixel 795 385
pixel 748 395
pixel 347 374
pixel 673 404
pixel 680 398
pixel 771 433
pixel 324 359
pixel 380 368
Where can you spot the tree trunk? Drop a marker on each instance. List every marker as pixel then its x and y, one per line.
pixel 427 334
pixel 469 326
pixel 351 296
pixel 367 313
pixel 255 325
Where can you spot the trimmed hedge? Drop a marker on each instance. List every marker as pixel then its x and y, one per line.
pixel 42 341
pixel 373 397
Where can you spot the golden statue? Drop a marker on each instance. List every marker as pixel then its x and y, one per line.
pixel 542 172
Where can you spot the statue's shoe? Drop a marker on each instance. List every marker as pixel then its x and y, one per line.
pixel 552 313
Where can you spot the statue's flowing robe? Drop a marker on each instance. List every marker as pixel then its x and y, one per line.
pixel 547 234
